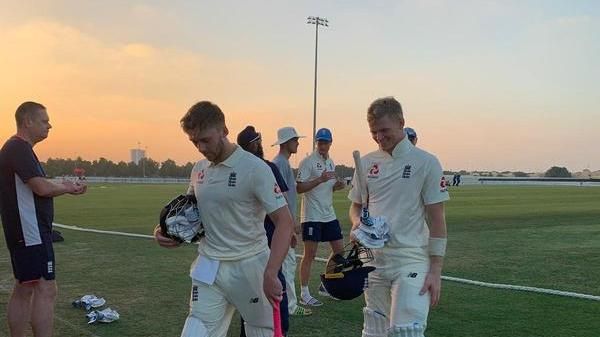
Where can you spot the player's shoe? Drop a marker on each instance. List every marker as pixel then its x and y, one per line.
pixel 301 311
pixel 310 301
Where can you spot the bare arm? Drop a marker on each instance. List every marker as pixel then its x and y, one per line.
pixel 44 187
pixel 354 216
pixel 306 186
pixel 437 229
pixel 284 224
pixel 296 229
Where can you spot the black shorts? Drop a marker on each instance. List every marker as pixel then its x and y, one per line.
pixel 33 262
pixel 321 231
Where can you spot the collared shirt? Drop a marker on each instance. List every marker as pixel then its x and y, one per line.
pixel 399 186
pixel 234 197
pixel 283 164
pixel 26 217
pixel 317 204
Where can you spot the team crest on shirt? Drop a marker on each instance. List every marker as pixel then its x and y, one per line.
pixel 406 172
pixel 443 185
pixel 232 179
pixel 374 171
pixel 194 293
pixel 200 176
pixel 319 166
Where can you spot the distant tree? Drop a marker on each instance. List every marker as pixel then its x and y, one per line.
pixel 168 168
pixel 558 172
pixel 103 167
pixel 151 167
pixel 343 171
pixel 121 169
pixel 185 170
pixel 134 170
pixel 520 174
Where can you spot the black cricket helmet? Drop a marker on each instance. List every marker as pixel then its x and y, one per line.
pixel 346 276
pixel 180 219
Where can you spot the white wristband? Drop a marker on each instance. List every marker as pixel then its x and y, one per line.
pixel 437 246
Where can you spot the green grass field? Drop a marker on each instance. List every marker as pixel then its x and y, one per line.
pixel 545 237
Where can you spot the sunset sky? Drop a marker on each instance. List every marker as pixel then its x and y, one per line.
pixel 488 85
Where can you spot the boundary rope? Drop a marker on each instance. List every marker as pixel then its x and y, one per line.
pixel 447 278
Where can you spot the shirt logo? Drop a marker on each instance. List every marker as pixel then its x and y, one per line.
pixel 443 185
pixel 374 171
pixel 232 179
pixel 200 177
pixel 406 172
pixel 194 293
pixel 319 166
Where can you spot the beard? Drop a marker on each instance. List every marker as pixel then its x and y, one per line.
pixel 260 152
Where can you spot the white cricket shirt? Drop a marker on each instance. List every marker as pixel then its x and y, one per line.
pixel 234 197
pixel 399 187
pixel 317 204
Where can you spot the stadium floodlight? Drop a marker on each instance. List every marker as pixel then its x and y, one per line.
pixel 317 21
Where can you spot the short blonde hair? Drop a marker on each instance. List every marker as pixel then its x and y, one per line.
pixel 385 106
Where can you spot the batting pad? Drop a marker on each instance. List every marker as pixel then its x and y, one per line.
pixel 376 324
pixel 194 327
pixel 415 330
pixel 255 331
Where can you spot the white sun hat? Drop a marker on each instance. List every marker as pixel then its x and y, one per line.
pixel 286 133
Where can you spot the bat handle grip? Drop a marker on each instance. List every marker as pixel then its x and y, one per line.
pixel 277 330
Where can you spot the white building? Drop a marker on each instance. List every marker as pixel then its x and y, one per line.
pixel 137 155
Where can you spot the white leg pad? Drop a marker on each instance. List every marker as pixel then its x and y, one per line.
pixel 376 324
pixel 194 327
pixel 255 331
pixel 414 330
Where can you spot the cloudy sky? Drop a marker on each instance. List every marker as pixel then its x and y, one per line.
pixel 497 85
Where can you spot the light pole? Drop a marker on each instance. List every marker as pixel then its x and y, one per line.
pixel 317 21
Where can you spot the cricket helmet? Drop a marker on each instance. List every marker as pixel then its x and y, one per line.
pixel 346 276
pixel 180 219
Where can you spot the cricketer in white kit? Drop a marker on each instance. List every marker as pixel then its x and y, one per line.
pixel 405 185
pixel 235 268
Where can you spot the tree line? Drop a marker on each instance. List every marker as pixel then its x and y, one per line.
pixel 147 167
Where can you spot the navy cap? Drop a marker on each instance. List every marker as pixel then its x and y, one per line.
pixel 411 133
pixel 324 134
pixel 247 136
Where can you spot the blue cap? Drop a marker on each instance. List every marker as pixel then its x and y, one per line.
pixel 324 134
pixel 410 133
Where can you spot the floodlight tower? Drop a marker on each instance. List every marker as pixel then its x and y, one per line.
pixel 317 21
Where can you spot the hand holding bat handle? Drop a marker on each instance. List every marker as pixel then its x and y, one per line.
pixel 361 184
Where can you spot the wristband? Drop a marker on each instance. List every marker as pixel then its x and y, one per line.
pixel 437 246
